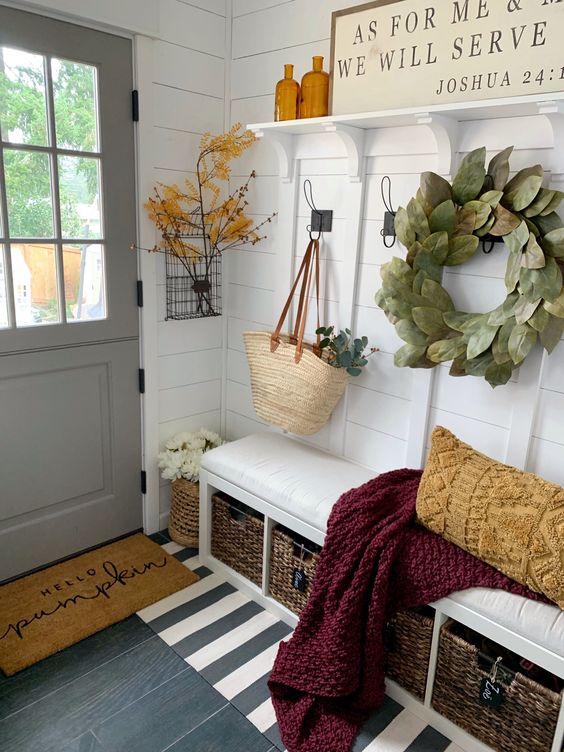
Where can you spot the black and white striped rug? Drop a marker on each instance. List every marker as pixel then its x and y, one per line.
pixel 232 642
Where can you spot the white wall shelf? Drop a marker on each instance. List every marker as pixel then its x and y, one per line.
pixel 478 110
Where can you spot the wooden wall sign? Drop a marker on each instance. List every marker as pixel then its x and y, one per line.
pixel 408 53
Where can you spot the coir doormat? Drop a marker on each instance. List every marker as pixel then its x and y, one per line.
pixel 47 611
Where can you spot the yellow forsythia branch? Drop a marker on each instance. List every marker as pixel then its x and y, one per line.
pixel 197 212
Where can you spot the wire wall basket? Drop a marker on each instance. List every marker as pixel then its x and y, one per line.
pixel 193 287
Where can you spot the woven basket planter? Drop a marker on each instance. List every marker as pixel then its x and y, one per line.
pixel 183 524
pixel 526 720
pixel 237 538
pixel 286 556
pixel 408 642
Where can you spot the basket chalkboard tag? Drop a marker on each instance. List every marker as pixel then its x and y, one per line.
pixel 491 692
pixel 299 580
pixel 299 577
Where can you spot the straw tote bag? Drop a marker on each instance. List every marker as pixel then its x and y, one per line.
pixel 293 388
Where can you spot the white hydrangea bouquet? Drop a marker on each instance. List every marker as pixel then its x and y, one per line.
pixel 183 453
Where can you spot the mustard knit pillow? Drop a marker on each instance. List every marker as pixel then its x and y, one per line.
pixel 511 519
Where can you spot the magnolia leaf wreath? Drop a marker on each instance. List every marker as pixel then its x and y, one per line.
pixel 442 226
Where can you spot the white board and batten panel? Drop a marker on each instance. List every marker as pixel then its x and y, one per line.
pixel 382 410
pixel 547 447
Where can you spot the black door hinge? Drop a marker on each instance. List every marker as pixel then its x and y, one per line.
pixel 135 106
pixel 140 293
pixel 142 380
pixel 143 481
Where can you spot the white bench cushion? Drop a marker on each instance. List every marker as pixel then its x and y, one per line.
pixel 541 623
pixel 306 482
pixel 295 477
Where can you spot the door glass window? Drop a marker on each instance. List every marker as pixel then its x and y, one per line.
pixel 27 176
pixel 23 102
pixel 75 102
pixel 79 191
pixel 34 274
pixel 84 281
pixel 51 204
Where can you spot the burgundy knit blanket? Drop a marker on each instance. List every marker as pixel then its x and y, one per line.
pixel 330 675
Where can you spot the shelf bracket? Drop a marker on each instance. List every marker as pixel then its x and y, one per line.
pixel 283 144
pixel 353 141
pixel 554 113
pixel 445 130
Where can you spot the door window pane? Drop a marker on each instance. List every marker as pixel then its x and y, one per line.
pixel 43 225
pixel 79 189
pixel 3 301
pixel 74 92
pixel 28 193
pixel 34 275
pixel 84 281
pixel 23 111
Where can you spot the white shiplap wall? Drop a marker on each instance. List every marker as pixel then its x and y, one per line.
pixel 188 86
pixel 382 417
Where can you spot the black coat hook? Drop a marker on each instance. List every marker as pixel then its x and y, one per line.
pixel 321 219
pixel 315 213
pixel 388 231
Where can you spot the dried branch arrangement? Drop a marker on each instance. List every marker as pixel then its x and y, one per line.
pixel 196 223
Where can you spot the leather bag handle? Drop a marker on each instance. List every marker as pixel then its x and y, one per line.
pixel 304 269
pixel 308 268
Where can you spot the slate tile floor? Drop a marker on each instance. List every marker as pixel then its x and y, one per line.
pixel 187 674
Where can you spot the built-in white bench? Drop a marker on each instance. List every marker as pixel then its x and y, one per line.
pixel 296 485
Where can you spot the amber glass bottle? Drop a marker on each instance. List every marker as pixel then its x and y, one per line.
pixel 287 97
pixel 315 91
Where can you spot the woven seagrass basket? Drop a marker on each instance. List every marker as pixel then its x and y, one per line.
pixel 237 537
pixel 289 553
pixel 526 720
pixel 183 524
pixel 297 397
pixel 408 642
pixel 293 388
